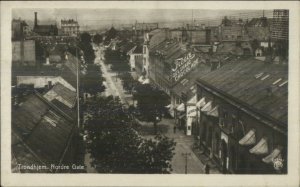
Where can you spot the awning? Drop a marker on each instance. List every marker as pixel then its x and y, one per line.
pixel 146 81
pixel 141 79
pixel 276 153
pixel 169 106
pixel 214 112
pixel 207 107
pixel 193 100
pixel 260 148
pixel 201 102
pixel 249 138
pixel 180 108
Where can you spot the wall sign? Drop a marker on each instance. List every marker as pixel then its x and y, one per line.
pixel 183 66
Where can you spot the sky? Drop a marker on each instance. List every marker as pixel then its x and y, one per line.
pixel 97 18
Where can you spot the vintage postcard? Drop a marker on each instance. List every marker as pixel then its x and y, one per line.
pixel 150 93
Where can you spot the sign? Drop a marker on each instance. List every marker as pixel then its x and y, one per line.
pixel 191 111
pixel 183 66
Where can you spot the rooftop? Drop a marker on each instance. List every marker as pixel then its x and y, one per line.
pixel 60 93
pixel 40 132
pixel 260 86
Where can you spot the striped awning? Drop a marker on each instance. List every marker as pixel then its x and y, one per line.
pixel 249 138
pixel 214 112
pixel 207 107
pixel 201 102
pixel 193 100
pixel 180 108
pixel 276 153
pixel 260 148
pixel 141 79
pixel 169 106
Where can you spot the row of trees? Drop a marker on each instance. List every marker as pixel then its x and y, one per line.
pixel 116 148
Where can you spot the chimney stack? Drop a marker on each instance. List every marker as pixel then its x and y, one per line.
pixel 35 19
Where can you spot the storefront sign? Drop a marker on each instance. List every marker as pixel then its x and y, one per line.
pixel 184 65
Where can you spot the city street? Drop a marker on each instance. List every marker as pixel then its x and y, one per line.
pixel 183 143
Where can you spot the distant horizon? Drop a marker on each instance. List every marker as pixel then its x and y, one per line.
pixel 106 18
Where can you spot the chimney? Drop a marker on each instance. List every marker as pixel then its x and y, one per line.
pixel 35 19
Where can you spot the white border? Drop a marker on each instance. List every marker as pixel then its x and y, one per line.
pixel 292 179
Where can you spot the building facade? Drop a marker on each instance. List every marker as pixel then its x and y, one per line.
pixel 242 120
pixel 70 27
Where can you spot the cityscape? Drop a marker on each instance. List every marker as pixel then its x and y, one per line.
pixel 166 92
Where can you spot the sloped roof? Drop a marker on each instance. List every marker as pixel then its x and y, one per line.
pixel 44 28
pixel 253 83
pixel 138 49
pixel 62 94
pixel 41 130
pixel 186 82
pixel 69 70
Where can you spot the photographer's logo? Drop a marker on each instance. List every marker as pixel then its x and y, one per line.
pixel 278 163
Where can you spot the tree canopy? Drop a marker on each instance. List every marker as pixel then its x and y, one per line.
pixel 97 39
pixel 117 148
pixel 87 48
pixel 151 101
pixel 119 62
pixel 92 81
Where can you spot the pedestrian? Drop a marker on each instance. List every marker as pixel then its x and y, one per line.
pixel 207 169
pixel 174 129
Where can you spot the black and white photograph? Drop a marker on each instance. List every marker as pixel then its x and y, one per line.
pixel 151 91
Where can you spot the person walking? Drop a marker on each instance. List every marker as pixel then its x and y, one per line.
pixel 174 129
pixel 207 168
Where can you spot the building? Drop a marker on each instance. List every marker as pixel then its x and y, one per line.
pixel 45 77
pixel 139 29
pixel 232 30
pixel 44 30
pixel 183 103
pixel 134 53
pixel 43 134
pixel 70 27
pixel 24 53
pixel 280 34
pixel 20 29
pixel 242 111
pixel 280 26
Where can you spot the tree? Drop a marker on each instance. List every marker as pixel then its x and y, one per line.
pixel 119 62
pixel 92 81
pixel 116 148
pixel 151 103
pixel 97 39
pixel 87 48
pixel 128 82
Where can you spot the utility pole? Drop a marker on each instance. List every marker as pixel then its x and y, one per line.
pixel 77 65
pixel 186 156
